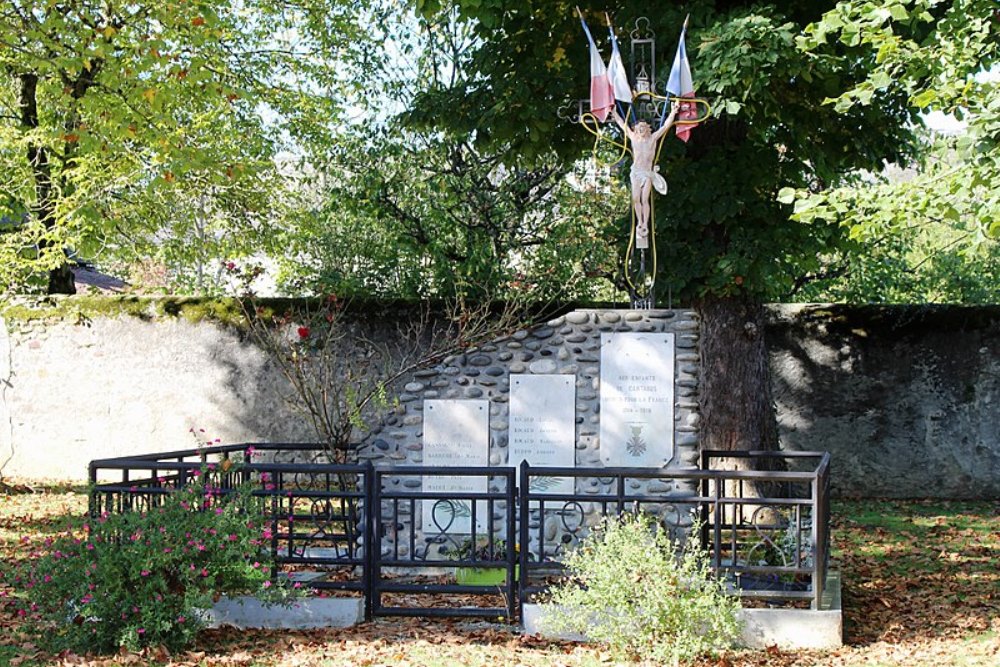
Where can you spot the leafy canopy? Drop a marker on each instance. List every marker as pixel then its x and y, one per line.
pixel 119 122
pixel 721 229
pixel 943 57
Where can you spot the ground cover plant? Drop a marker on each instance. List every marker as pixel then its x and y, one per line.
pixel 921 589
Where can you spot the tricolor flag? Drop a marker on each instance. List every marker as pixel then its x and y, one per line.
pixel 616 70
pixel 680 85
pixel 601 95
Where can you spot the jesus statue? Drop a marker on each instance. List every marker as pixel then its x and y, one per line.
pixel 644 175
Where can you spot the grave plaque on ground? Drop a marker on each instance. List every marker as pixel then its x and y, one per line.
pixel 637 399
pixel 542 428
pixel 456 433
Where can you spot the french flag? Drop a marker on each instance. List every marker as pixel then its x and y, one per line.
pixel 680 85
pixel 616 70
pixel 602 96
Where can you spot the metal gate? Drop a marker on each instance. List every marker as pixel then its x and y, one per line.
pixel 436 548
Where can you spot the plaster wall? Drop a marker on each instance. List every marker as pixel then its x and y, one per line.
pixel 905 398
pixel 70 393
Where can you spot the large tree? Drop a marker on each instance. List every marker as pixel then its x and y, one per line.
pixel 727 241
pixel 113 112
pixel 405 207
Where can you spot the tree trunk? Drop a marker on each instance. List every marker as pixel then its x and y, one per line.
pixel 737 411
pixel 60 278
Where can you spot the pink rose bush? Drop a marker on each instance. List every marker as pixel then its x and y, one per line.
pixel 140 579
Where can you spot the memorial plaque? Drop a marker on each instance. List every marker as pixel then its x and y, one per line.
pixel 456 433
pixel 542 428
pixel 637 399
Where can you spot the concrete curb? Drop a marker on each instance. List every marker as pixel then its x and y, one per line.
pixel 248 612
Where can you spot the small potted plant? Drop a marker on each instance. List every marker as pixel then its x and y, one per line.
pixel 494 574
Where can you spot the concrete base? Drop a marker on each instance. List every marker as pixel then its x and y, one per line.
pixel 785 628
pixel 248 612
pixel 821 628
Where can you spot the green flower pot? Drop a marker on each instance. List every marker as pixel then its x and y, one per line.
pixel 483 576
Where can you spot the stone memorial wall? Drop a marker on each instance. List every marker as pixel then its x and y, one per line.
pixel 547 390
pixel 569 345
pixel 904 397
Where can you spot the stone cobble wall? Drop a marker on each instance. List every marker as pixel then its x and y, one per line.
pixel 570 345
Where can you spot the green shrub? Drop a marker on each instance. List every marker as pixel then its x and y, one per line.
pixel 143 579
pixel 630 587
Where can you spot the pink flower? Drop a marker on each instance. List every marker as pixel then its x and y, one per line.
pixel 144 573
pixel 267 584
pixel 181 619
pixel 140 631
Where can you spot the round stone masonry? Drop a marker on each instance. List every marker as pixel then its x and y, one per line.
pixel 567 345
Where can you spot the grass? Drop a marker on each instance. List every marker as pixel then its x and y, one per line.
pixel 921 589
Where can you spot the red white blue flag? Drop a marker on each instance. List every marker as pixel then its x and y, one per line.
pixel 616 70
pixel 679 84
pixel 601 94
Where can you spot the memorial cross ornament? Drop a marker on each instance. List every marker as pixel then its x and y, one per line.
pixel 644 113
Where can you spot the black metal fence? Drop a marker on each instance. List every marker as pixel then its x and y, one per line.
pixel 763 520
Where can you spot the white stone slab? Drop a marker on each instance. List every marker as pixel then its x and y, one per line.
pixel 456 433
pixel 637 399
pixel 249 612
pixel 542 428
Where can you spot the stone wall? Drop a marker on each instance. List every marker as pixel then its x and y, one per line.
pixel 106 387
pixel 906 399
pixel 570 344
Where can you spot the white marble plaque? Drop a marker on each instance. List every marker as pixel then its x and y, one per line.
pixel 637 399
pixel 542 429
pixel 456 433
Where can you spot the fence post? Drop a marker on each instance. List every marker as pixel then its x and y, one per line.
pixel 523 540
pixel 92 497
pixel 368 562
pixel 512 551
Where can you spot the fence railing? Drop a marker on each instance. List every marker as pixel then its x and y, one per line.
pixel 385 532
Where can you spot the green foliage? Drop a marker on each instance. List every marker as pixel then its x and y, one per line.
pixel 143 579
pixel 150 129
pixel 401 206
pixel 722 229
pixel 632 588
pixel 938 55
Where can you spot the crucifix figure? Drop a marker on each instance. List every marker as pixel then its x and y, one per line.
pixel 645 175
